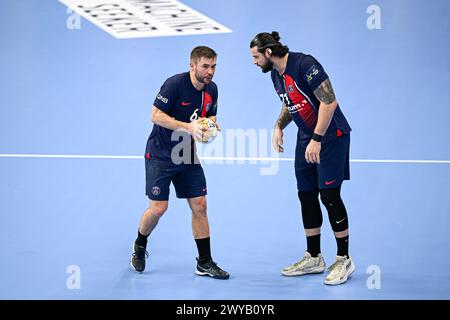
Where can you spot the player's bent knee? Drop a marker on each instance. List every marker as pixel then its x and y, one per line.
pixel 158 213
pixel 158 208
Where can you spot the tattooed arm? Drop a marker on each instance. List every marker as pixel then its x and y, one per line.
pixel 328 105
pixel 282 122
pixel 284 118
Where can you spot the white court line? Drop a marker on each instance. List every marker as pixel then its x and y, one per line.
pixel 68 156
pixel 78 156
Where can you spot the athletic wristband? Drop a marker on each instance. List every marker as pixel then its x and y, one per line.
pixel 316 137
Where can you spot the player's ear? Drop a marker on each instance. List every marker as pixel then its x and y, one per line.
pixel 269 51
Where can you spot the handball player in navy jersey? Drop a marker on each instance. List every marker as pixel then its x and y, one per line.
pixel 170 157
pixel 322 150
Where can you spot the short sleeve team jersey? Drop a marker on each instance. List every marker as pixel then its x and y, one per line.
pixel 179 99
pixel 296 86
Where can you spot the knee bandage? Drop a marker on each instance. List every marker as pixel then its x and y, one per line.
pixel 331 198
pixel 311 213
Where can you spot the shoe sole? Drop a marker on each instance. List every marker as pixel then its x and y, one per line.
pixel 131 262
pixel 348 276
pixel 301 273
pixel 199 273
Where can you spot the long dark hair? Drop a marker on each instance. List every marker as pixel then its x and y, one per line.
pixel 266 40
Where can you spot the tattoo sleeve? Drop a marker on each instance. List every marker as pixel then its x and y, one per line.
pixel 325 92
pixel 284 118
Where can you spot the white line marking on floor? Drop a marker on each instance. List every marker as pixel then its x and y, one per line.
pixel 86 156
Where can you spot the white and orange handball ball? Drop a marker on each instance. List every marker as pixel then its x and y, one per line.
pixel 211 131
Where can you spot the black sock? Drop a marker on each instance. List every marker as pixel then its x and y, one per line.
pixel 141 240
pixel 204 249
pixel 342 246
pixel 313 245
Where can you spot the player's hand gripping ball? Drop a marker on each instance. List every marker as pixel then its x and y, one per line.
pixel 211 132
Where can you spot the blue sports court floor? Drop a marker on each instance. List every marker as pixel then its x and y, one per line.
pixel 74 119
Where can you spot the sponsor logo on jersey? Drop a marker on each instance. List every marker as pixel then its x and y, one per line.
pixel 298 106
pixel 294 107
pixel 162 98
pixel 310 75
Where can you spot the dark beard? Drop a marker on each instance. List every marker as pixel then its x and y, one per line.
pixel 201 80
pixel 267 67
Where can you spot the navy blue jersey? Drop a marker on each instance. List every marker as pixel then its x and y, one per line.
pixel 180 100
pixel 296 90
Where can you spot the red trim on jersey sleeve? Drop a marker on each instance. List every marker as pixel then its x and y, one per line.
pixel 338 133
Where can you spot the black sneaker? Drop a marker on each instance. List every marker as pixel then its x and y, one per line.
pixel 210 268
pixel 138 257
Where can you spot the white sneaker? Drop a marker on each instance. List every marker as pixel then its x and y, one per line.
pixel 340 270
pixel 306 265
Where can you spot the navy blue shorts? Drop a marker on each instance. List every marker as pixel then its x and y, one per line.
pixel 188 179
pixel 333 169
